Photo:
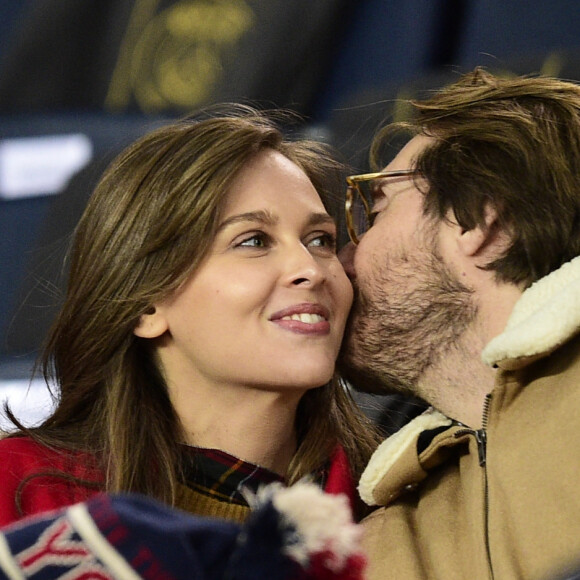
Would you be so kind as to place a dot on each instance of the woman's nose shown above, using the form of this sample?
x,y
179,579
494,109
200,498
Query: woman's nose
x,y
304,269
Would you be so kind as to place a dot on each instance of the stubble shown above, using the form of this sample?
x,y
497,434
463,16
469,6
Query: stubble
x,y
404,320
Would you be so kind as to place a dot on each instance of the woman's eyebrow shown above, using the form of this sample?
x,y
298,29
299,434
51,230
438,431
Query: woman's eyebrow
x,y
320,219
264,217
260,217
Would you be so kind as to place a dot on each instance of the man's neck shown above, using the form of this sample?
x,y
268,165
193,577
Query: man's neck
x,y
458,385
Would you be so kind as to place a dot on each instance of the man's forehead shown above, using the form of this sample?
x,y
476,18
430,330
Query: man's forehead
x,y
406,157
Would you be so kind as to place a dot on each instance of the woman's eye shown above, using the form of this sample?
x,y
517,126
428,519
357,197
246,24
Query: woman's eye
x,y
325,240
258,240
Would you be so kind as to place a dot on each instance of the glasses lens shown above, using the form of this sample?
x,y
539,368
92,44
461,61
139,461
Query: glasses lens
x,y
362,204
359,216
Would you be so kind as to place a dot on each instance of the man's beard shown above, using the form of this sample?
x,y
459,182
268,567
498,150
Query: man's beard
x,y
416,314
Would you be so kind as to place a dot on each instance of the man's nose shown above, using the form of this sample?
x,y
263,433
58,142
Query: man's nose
x,y
346,257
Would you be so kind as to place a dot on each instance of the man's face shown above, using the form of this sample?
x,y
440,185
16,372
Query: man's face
x,y
409,308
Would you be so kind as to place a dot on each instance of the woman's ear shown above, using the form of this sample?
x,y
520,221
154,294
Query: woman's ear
x,y
152,324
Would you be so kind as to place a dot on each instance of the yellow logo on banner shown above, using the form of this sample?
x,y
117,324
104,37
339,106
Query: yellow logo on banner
x,y
174,59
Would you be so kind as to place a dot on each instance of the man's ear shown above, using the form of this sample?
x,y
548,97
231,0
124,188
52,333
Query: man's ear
x,y
483,240
152,324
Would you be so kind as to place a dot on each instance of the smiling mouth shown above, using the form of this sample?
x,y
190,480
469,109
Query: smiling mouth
x,y
312,321
305,317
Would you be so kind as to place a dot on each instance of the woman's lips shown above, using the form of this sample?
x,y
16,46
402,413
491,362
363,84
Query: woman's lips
x,y
305,318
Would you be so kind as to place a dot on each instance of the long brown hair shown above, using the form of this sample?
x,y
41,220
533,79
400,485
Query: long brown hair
x,y
514,143
146,228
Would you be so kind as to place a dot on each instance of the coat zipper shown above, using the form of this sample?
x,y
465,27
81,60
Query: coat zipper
x,y
481,439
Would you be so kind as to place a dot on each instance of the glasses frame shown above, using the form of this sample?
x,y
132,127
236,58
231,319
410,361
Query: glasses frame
x,y
353,188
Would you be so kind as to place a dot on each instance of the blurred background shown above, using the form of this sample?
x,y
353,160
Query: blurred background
x,y
79,80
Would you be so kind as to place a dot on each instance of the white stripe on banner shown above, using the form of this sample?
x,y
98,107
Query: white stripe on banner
x,y
83,523
7,561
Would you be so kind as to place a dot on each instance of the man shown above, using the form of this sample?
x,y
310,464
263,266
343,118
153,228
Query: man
x,y
469,298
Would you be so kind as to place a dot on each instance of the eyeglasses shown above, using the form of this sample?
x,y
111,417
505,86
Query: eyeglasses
x,y
359,200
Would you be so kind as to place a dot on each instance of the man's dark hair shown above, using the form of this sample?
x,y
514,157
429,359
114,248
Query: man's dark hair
x,y
514,144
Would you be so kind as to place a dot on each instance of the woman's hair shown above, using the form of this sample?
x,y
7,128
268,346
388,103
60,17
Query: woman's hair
x,y
512,143
145,230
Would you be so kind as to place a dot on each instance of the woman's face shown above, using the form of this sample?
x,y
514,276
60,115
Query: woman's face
x,y
267,307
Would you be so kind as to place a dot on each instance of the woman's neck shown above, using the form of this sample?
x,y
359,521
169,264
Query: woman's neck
x,y
257,426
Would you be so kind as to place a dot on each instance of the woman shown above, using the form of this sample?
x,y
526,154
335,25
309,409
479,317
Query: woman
x,y
196,345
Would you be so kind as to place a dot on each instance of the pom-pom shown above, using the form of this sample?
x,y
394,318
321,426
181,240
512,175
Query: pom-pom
x,y
318,531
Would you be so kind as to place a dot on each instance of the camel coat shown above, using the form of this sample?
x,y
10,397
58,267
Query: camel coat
x,y
501,502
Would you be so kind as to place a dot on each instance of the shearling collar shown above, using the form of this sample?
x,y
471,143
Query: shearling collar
x,y
545,317
399,450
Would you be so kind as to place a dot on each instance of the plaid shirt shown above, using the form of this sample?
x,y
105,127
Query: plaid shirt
x,y
222,476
